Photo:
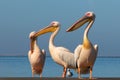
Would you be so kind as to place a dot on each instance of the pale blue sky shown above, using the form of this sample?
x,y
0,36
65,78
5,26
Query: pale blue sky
x,y
19,17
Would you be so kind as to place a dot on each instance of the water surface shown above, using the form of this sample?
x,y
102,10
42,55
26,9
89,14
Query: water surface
x,y
20,67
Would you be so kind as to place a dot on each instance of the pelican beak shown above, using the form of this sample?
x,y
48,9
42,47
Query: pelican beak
x,y
47,29
79,23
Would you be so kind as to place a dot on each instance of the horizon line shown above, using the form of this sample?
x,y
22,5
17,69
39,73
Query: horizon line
x,y
50,56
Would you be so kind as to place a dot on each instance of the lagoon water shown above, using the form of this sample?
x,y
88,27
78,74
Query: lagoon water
x,y
20,67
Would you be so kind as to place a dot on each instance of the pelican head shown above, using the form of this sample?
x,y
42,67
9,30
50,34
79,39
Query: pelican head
x,y
50,28
88,17
31,35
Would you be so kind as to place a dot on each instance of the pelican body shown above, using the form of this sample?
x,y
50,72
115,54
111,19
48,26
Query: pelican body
x,y
60,55
87,52
36,56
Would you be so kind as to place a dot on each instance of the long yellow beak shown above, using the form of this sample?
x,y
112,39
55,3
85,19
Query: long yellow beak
x,y
79,23
45,30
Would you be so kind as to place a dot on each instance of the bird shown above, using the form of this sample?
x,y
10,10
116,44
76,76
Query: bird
x,y
36,56
69,73
60,55
86,52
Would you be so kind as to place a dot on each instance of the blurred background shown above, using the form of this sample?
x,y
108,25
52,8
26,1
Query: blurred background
x,y
19,17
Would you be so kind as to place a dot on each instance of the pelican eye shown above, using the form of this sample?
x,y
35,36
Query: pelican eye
x,y
53,23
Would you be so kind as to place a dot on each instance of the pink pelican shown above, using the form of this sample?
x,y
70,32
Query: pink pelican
x,y
36,56
87,51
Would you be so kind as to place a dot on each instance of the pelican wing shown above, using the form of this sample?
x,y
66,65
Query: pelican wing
x,y
77,52
44,52
67,56
29,55
64,49
96,48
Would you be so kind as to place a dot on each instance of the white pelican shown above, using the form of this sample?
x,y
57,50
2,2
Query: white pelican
x,y
60,55
87,52
36,56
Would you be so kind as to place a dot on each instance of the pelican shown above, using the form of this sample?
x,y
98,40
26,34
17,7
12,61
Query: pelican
x,y
60,55
87,51
36,56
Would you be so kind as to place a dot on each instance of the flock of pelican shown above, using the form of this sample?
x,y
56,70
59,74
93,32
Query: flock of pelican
x,y
83,58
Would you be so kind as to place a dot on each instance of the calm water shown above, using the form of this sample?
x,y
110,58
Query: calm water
x,y
20,67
